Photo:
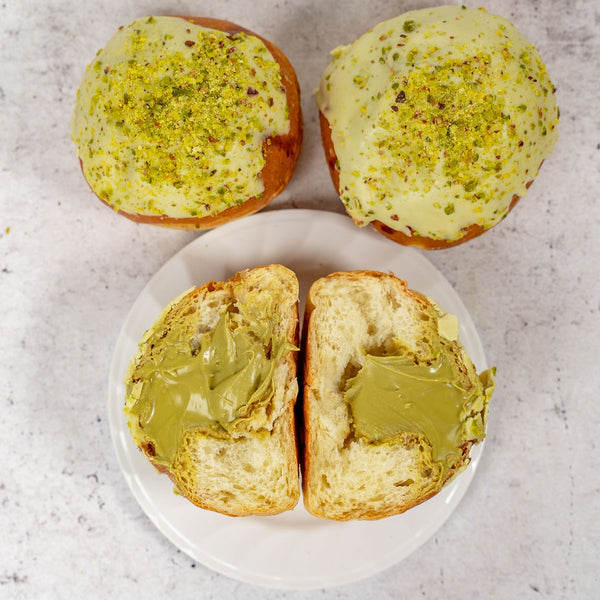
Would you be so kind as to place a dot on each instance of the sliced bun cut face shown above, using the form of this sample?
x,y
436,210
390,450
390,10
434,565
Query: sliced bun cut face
x,y
435,123
187,122
392,403
210,393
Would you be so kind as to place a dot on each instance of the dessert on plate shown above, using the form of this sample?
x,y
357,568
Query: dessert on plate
x,y
392,403
210,393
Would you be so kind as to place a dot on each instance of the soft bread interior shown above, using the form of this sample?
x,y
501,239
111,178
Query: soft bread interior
x,y
250,474
253,468
348,315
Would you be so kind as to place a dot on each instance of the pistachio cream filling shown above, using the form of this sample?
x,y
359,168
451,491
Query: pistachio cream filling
x,y
439,117
171,118
394,395
216,386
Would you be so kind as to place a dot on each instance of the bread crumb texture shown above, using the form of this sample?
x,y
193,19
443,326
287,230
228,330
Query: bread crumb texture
x,y
210,393
347,476
171,118
439,118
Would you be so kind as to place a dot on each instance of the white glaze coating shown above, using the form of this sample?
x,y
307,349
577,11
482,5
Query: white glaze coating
x,y
171,118
439,117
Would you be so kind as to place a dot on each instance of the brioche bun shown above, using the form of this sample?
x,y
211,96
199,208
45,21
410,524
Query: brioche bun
x,y
377,445
212,133
210,393
435,123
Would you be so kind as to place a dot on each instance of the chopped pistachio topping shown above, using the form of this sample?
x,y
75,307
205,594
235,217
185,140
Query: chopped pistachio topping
x,y
444,122
454,114
171,118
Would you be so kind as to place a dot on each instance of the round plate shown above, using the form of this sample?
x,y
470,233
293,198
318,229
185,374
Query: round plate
x,y
293,550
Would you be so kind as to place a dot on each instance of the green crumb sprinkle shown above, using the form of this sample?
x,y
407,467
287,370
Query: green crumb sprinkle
x,y
448,131
410,57
106,194
183,113
419,131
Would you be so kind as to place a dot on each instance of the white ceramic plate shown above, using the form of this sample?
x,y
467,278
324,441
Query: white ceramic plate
x,y
293,550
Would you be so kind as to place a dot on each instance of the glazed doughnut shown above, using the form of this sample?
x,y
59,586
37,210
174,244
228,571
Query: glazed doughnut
x,y
187,122
435,123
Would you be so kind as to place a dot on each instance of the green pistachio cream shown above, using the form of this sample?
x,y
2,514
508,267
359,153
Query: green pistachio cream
x,y
216,386
391,395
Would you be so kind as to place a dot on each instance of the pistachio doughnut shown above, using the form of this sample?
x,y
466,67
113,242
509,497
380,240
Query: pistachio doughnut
x,y
435,123
187,122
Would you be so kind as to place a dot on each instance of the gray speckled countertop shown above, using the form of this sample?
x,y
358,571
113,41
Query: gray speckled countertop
x,y
70,270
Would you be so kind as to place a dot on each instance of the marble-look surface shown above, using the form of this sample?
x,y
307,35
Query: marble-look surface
x,y
70,270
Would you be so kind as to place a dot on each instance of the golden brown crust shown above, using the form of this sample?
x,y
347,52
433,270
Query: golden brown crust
x,y
281,152
423,242
375,515
303,418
